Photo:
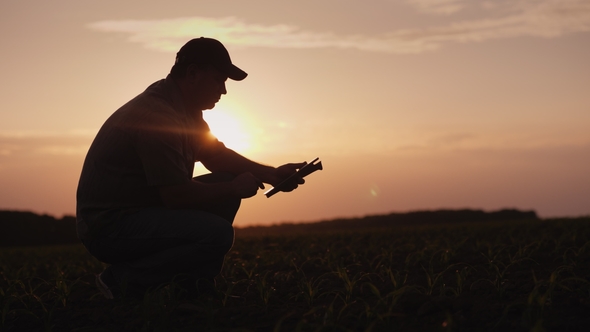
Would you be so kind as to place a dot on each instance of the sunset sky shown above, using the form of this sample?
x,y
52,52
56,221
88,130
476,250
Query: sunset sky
x,y
410,104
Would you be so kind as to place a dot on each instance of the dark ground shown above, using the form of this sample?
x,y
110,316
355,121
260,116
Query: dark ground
x,y
524,275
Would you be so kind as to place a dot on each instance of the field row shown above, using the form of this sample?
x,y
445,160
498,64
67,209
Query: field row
x,y
525,275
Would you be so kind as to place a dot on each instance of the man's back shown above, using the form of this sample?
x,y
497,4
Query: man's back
x,y
148,142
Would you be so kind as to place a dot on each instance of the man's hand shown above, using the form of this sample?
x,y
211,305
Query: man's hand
x,y
284,171
246,185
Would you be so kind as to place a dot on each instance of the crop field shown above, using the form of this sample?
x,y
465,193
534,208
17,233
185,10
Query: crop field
x,y
489,276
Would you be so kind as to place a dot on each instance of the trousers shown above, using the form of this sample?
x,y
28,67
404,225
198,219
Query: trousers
x,y
153,246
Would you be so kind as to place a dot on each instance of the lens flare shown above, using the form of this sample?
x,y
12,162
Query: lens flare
x,y
228,129
374,191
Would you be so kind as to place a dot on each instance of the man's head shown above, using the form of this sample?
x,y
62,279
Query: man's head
x,y
202,52
202,66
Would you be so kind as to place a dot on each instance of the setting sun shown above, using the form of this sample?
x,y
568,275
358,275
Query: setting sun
x,y
228,129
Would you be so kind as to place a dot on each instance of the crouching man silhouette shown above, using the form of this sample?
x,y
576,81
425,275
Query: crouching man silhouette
x,y
139,208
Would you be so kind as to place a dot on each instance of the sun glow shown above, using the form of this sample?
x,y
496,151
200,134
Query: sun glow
x,y
228,129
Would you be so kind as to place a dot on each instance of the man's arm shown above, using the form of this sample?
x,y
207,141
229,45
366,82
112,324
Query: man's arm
x,y
231,162
195,194
249,178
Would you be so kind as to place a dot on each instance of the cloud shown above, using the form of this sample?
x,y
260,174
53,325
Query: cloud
x,y
169,34
22,134
16,144
530,18
438,6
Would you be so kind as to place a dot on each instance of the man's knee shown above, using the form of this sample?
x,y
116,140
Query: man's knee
x,y
215,177
223,236
225,208
228,238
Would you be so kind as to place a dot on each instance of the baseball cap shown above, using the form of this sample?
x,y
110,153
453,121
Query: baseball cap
x,y
209,51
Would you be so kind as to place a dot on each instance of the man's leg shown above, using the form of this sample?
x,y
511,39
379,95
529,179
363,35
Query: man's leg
x,y
226,209
154,245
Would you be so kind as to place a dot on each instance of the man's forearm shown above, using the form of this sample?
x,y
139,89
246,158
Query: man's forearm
x,y
231,162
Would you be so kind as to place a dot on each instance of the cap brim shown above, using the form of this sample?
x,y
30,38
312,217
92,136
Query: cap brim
x,y
235,73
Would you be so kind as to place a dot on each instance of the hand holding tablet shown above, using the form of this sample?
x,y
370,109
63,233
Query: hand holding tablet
x,y
304,171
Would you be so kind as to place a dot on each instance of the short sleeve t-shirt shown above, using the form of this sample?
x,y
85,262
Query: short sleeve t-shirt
x,y
151,141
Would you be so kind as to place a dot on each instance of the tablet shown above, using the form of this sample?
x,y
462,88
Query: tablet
x,y
304,171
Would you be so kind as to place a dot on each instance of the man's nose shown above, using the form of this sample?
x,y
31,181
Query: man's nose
x,y
223,89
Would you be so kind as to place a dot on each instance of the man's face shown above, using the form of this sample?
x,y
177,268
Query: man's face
x,y
207,86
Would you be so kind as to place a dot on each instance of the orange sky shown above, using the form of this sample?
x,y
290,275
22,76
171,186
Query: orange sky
x,y
410,104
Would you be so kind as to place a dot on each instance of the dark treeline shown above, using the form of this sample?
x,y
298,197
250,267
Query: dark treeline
x,y
416,218
27,228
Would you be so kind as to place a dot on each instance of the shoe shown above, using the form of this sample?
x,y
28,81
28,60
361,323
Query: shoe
x,y
114,290
103,287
